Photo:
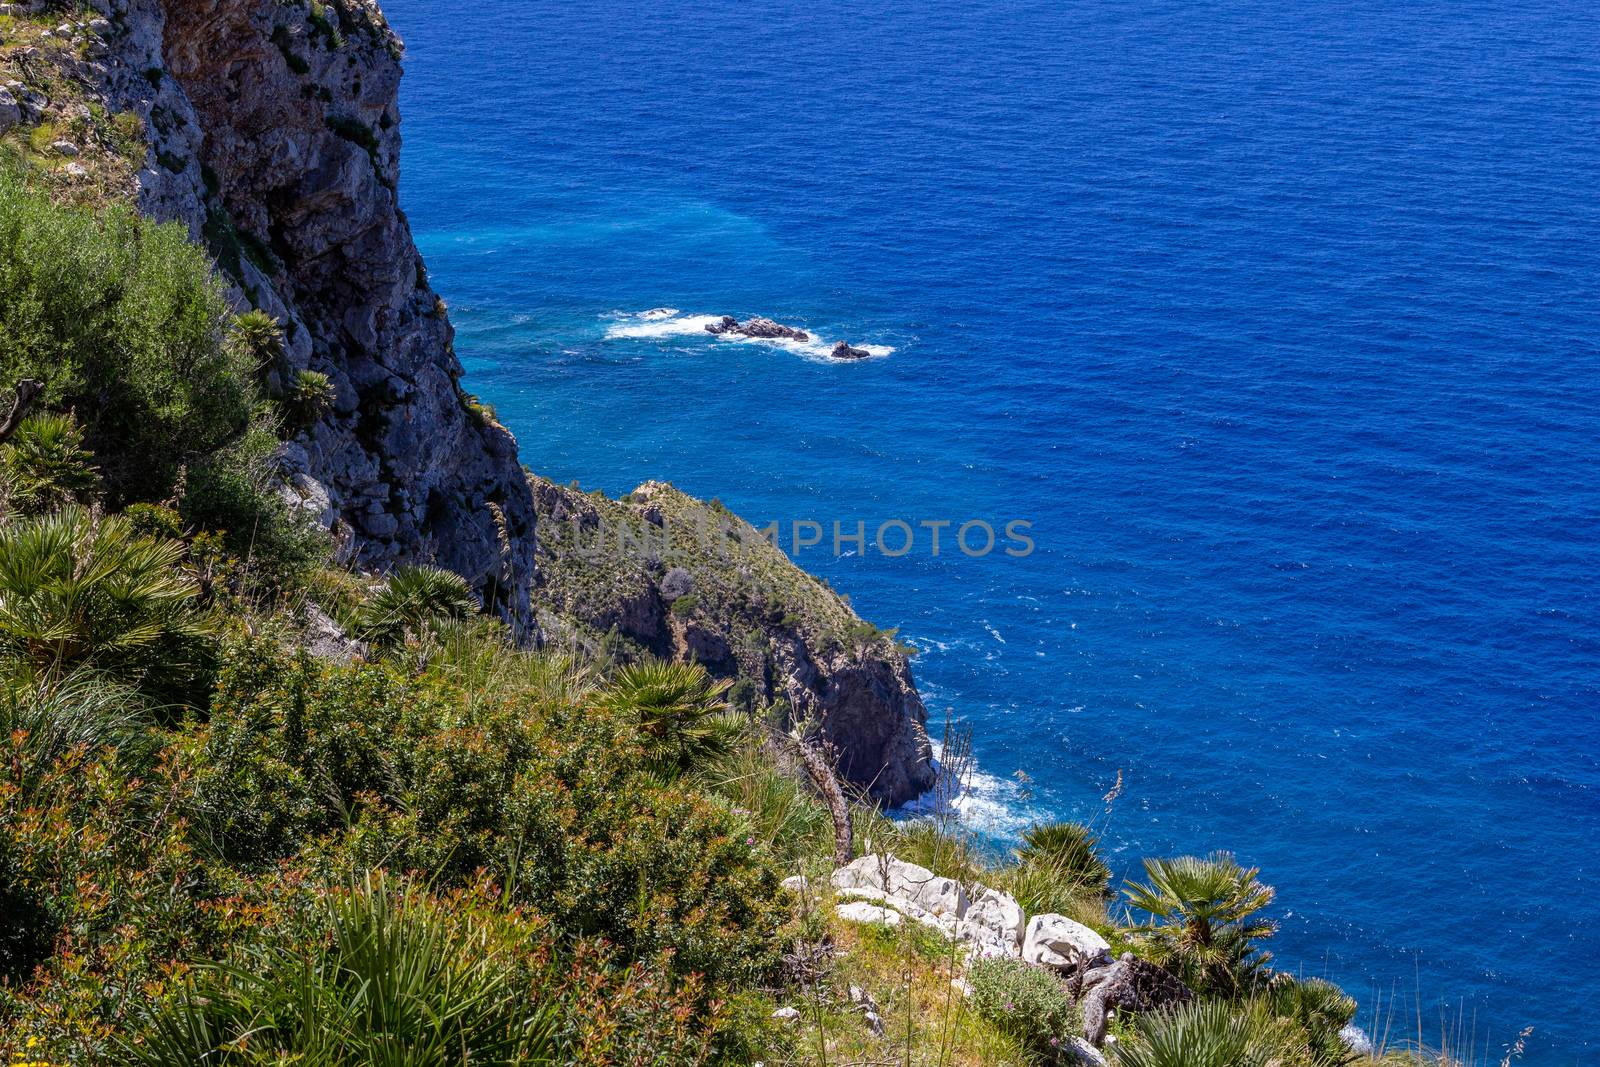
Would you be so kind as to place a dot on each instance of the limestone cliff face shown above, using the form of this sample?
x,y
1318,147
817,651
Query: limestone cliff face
x,y
274,134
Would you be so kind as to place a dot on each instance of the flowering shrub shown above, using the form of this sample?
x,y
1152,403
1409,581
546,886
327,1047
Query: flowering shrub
x,y
1027,1002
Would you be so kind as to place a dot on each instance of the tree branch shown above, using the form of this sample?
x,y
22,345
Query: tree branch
x,y
822,776
28,391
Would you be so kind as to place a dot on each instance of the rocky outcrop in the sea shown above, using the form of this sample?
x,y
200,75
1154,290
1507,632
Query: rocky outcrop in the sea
x,y
659,572
273,133
764,329
842,350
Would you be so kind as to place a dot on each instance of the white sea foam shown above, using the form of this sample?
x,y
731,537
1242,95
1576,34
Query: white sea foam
x,y
669,326
992,806
659,323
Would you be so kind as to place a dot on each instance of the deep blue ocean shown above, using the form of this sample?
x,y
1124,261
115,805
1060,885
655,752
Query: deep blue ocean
x,y
1279,322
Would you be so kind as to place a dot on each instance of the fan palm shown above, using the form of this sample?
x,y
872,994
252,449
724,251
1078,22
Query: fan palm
x,y
1319,1009
259,337
78,589
682,713
397,983
1202,1034
1203,925
416,600
1068,852
45,465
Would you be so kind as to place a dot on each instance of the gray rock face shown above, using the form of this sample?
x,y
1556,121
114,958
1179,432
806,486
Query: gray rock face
x,y
296,130
1131,985
765,329
10,110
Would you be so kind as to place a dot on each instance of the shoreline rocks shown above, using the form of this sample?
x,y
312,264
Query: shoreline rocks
x,y
842,350
880,889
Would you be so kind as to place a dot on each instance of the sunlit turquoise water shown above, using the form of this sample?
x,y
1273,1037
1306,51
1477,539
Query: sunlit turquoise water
x,y
1278,322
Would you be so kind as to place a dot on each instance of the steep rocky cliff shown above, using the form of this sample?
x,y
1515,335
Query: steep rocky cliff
x,y
271,129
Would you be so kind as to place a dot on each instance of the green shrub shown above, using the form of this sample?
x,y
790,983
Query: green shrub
x,y
78,590
367,766
1203,922
394,982
154,520
415,600
50,718
235,491
45,466
94,851
1027,1003
123,321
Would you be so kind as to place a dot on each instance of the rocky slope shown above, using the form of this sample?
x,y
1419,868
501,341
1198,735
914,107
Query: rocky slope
x,y
664,573
271,129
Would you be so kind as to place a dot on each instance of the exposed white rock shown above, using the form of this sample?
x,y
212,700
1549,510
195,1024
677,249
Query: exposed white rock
x,y
939,896
1059,942
1000,913
796,884
787,1015
908,908
983,943
64,148
1087,1053
862,912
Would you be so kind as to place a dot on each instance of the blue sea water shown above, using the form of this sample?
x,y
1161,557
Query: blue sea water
x,y
1279,322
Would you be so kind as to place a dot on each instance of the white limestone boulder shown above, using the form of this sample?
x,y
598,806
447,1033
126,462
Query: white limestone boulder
x,y
1000,913
1058,942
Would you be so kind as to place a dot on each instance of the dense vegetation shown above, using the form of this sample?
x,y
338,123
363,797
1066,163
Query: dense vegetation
x,y
436,847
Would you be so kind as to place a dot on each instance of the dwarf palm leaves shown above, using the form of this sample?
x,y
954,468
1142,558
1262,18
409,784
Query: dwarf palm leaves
x,y
1203,1034
48,719
1319,1009
1068,852
397,983
681,712
77,589
45,465
416,600
1203,923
